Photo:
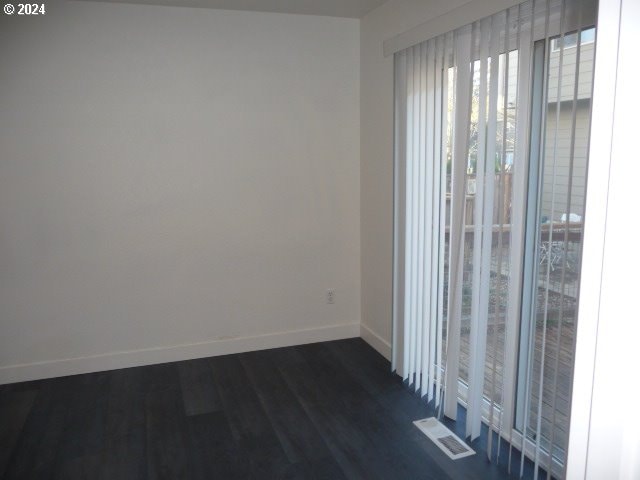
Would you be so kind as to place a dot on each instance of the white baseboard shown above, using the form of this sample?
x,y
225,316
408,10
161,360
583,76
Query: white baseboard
x,y
149,356
376,341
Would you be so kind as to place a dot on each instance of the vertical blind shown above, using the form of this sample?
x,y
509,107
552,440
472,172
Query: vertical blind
x,y
466,160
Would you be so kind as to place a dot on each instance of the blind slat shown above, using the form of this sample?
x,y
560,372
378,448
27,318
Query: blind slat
x,y
428,224
478,320
435,267
463,85
553,160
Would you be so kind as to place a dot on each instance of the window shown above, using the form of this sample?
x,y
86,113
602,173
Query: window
x,y
570,40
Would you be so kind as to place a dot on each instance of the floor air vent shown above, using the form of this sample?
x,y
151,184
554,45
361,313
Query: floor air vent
x,y
444,438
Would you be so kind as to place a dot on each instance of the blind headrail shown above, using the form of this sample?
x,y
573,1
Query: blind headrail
x,y
474,10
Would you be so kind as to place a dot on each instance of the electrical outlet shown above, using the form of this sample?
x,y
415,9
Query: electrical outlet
x,y
331,296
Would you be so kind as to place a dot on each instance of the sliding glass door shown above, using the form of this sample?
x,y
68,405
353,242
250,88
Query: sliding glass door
x,y
492,128
560,107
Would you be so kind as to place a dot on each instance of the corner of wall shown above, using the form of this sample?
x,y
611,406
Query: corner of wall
x,y
376,341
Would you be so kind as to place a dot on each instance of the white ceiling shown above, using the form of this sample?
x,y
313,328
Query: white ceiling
x,y
332,8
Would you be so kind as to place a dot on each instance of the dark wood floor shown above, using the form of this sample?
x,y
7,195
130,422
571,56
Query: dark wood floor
x,y
327,410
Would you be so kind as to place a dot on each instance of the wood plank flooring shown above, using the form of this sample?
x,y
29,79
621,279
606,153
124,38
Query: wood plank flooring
x,y
327,410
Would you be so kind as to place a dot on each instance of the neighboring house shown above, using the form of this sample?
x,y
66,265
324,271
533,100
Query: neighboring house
x,y
560,126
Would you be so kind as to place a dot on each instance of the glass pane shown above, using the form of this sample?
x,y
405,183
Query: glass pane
x,y
499,275
559,242
450,79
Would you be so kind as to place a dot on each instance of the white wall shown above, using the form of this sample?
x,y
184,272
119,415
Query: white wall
x,y
174,182
376,143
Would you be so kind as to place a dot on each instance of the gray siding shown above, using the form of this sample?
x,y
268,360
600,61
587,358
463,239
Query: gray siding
x,y
558,146
585,73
